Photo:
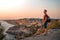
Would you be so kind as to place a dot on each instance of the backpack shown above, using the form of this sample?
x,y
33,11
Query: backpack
x,y
48,19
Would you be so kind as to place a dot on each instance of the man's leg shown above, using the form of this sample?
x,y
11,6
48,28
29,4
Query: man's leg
x,y
45,28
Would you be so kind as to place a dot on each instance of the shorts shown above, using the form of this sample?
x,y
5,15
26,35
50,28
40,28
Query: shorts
x,y
45,25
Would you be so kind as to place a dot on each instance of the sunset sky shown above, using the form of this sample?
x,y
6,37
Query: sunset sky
x,y
12,9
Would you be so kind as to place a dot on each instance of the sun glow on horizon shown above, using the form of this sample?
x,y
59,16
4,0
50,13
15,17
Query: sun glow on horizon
x,y
28,8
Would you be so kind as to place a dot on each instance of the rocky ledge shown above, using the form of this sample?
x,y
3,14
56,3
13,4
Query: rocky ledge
x,y
53,34
22,31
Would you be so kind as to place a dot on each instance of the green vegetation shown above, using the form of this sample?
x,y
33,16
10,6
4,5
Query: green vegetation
x,y
1,33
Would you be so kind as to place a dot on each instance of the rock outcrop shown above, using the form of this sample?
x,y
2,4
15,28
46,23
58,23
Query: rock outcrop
x,y
22,31
53,34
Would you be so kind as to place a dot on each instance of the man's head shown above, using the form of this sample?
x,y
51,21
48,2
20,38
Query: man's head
x,y
45,11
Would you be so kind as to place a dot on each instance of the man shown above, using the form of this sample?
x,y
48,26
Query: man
x,y
46,19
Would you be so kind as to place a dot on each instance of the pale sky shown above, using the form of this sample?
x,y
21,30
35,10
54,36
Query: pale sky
x,y
10,9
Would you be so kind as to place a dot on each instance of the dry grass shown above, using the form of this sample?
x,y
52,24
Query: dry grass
x,y
54,24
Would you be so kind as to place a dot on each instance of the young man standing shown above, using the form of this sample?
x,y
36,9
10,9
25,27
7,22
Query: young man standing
x,y
46,19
